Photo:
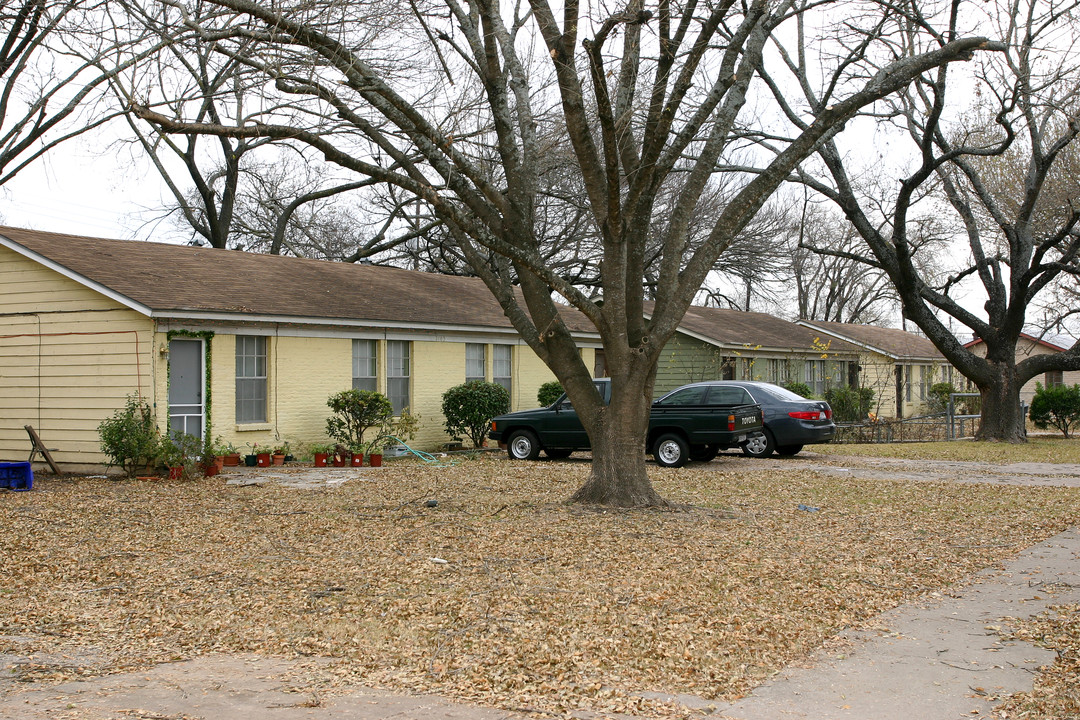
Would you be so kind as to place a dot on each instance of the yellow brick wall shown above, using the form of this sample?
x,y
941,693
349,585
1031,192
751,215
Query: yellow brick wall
x,y
304,371
69,357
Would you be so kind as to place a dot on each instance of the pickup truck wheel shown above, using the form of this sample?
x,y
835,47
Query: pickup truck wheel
x,y
704,453
557,453
671,451
759,446
523,445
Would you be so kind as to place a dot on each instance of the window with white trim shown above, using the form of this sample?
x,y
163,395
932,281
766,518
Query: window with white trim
x,y
365,365
475,361
502,365
397,374
250,379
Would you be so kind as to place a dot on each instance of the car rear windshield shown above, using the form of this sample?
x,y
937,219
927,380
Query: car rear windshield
x,y
780,393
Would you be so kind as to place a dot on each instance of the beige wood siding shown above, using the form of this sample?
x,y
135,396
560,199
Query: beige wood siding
x,y
68,359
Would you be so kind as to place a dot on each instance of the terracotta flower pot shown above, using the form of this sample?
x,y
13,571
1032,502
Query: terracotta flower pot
x,y
232,459
210,470
279,458
320,459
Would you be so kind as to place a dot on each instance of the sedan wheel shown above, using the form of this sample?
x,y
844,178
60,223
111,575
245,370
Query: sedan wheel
x,y
788,450
759,446
671,451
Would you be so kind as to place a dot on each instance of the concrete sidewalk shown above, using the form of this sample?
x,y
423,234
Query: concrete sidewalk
x,y
936,661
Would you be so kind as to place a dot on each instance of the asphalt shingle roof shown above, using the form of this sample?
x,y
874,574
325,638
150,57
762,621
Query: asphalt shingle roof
x,y
898,343
750,329
179,279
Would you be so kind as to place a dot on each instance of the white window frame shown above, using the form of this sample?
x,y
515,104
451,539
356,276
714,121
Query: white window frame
x,y
251,407
502,368
365,364
398,373
475,361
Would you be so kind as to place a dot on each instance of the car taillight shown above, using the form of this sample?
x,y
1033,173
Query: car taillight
x,y
493,425
730,422
828,414
810,414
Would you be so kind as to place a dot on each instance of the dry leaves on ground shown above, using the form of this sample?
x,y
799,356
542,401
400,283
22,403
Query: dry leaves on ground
x,y
500,594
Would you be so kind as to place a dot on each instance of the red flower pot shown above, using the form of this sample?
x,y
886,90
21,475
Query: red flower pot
x,y
262,459
357,459
320,459
175,473
375,460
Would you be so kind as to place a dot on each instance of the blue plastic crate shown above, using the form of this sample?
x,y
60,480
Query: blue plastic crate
x,y
16,476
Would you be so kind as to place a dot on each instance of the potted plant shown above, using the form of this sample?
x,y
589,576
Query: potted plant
x,y
357,455
181,452
261,454
172,458
230,455
356,412
321,453
278,456
391,432
209,459
252,458
342,455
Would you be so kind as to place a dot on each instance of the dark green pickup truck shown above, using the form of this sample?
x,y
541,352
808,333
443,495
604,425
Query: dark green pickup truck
x,y
690,423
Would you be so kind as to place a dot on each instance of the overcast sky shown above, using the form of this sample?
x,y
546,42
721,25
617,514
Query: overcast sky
x,y
87,186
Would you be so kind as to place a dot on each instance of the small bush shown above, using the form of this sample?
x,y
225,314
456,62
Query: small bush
x,y
799,389
469,408
939,397
850,404
182,450
1057,406
356,411
549,392
130,437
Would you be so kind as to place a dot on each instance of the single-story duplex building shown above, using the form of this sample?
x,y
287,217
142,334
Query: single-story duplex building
x,y
898,365
234,345
1027,346
724,344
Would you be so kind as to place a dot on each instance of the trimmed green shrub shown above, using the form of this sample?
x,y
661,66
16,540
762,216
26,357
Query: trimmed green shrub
x,y
799,389
356,411
1058,406
469,408
850,404
939,397
549,392
130,437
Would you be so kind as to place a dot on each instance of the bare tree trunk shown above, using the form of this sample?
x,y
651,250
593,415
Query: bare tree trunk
x,y
1002,413
617,433
618,476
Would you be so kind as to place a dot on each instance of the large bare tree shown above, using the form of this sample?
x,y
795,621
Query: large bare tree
x,y
457,106
1000,173
56,59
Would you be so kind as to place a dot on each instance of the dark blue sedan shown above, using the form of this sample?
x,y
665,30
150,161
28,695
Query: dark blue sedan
x,y
791,421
